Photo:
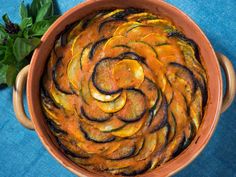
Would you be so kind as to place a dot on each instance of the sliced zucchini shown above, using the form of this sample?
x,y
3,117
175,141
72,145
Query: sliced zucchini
x,y
62,100
134,108
155,39
124,28
94,135
149,88
148,147
165,25
169,53
110,48
195,108
128,74
139,17
102,77
78,63
99,96
144,49
130,129
111,125
93,113
113,106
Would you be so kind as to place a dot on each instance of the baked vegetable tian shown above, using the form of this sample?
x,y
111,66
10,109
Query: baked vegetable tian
x,y
124,91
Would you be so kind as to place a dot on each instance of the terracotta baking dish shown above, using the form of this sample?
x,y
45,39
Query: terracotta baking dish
x,y
216,102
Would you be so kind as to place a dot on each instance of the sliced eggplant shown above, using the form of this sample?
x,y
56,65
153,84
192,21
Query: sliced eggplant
x,y
172,126
113,106
131,55
189,132
93,113
182,79
125,151
95,135
99,96
149,88
138,169
190,42
125,12
159,119
102,77
95,46
59,76
55,128
128,73
70,148
134,108
106,22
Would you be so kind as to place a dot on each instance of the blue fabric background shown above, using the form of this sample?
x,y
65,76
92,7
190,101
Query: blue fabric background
x,y
23,155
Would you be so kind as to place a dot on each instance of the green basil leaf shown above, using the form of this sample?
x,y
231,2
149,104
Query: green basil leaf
x,y
44,12
23,47
36,6
3,73
23,11
39,28
26,23
11,75
9,57
3,34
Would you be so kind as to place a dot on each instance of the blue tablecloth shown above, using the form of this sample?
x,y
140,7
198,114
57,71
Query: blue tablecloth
x,y
23,155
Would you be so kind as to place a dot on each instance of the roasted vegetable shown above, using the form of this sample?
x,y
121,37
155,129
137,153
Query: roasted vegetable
x,y
124,91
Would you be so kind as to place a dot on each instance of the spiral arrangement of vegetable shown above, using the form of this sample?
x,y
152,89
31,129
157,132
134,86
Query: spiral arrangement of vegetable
x,y
124,91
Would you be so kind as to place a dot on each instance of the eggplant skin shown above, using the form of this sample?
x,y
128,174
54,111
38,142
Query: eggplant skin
x,y
94,78
89,138
138,172
204,93
101,25
180,147
191,42
131,55
54,128
54,75
95,46
130,154
164,106
126,12
190,73
69,152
